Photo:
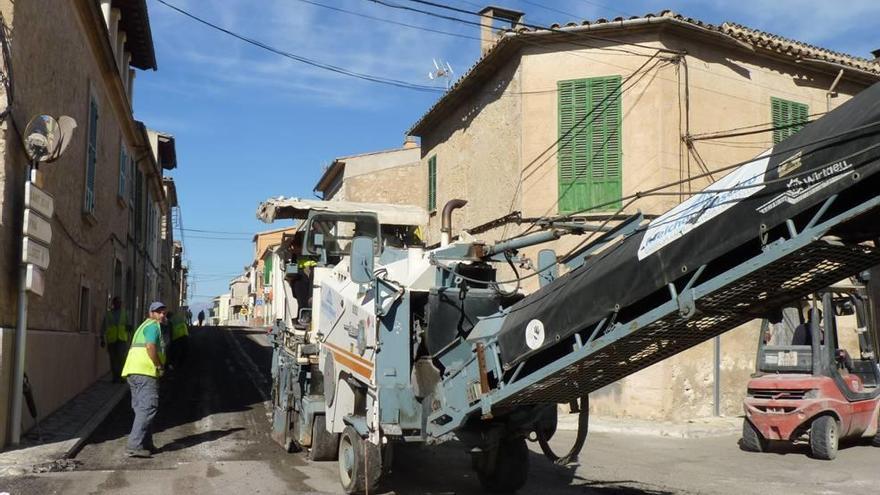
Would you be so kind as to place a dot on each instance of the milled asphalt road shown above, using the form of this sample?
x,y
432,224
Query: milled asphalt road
x,y
213,432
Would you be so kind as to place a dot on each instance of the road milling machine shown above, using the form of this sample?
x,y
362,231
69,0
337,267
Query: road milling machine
x,y
401,342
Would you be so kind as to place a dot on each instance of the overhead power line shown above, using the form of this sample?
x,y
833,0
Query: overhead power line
x,y
524,24
206,231
298,58
551,9
389,21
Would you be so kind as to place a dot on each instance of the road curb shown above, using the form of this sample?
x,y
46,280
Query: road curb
x,y
89,428
698,428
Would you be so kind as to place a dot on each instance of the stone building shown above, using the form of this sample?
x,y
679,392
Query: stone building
x,y
261,271
389,176
572,120
76,58
238,300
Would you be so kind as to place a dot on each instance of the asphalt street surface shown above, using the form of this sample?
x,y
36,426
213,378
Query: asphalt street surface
x,y
212,431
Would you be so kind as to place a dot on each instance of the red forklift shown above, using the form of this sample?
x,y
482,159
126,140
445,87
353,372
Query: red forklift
x,y
811,383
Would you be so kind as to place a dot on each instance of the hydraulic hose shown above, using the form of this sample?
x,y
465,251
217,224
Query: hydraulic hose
x,y
581,438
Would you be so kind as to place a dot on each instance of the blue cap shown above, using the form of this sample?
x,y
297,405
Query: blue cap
x,y
156,306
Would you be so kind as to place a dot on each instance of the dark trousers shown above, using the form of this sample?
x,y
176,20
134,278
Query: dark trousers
x,y
145,402
117,352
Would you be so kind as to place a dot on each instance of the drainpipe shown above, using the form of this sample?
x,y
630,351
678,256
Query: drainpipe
x,y
832,93
446,222
716,389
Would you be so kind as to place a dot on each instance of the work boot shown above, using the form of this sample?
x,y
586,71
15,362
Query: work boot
x,y
138,453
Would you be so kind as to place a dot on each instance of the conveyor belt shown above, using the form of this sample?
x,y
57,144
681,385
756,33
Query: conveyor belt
x,y
798,274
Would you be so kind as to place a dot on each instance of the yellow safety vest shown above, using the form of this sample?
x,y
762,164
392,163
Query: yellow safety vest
x,y
138,362
178,328
115,331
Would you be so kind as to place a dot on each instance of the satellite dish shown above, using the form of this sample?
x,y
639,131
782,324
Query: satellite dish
x,y
45,138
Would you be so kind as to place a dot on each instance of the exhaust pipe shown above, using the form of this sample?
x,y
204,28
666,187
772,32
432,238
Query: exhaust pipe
x,y
446,223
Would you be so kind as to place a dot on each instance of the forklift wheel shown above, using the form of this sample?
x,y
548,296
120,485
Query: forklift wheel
x,y
823,438
752,440
359,464
511,468
324,443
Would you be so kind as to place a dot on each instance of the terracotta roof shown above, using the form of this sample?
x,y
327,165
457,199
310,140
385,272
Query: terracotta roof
x,y
752,39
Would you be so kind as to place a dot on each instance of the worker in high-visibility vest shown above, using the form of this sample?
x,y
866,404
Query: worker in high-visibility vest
x,y
115,336
179,340
144,366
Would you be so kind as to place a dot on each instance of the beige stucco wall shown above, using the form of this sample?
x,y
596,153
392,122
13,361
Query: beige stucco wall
x,y
61,359
490,142
404,184
478,153
264,240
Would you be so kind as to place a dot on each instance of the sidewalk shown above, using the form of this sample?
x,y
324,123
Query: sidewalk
x,y
50,445
694,428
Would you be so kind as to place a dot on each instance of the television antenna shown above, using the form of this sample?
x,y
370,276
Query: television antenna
x,y
442,70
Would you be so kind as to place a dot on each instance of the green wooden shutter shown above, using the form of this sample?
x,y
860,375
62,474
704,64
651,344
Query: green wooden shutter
x,y
267,270
788,117
91,157
123,171
432,183
605,146
589,150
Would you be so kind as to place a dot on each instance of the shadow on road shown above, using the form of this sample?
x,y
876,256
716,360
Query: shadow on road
x,y
195,439
212,381
447,469
802,446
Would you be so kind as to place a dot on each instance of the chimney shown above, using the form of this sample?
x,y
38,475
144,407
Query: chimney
x,y
876,54
410,142
489,31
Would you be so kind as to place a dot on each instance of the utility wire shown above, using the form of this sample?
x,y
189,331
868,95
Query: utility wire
x,y
551,9
573,37
654,192
314,63
389,21
206,231
606,7
524,24
595,112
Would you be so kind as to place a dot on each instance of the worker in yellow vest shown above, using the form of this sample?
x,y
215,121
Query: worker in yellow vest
x,y
144,366
179,339
115,337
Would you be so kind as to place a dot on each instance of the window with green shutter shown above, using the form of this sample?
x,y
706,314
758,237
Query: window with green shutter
x,y
589,152
91,157
789,117
432,183
267,270
123,171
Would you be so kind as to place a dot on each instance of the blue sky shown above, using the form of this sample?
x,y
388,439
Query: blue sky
x,y
251,125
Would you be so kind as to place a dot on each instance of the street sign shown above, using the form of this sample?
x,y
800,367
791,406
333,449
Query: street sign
x,y
38,200
34,252
37,227
35,280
